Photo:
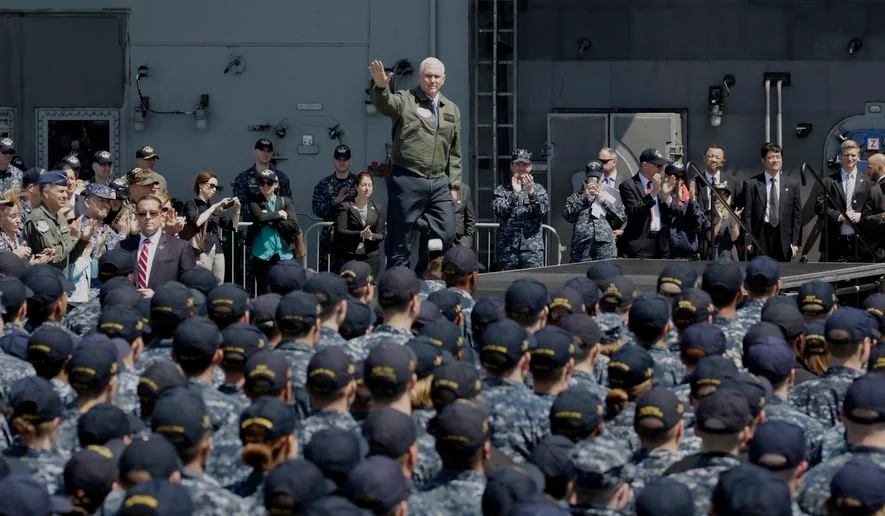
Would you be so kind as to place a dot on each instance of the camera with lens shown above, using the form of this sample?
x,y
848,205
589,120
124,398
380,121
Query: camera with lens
x,y
120,186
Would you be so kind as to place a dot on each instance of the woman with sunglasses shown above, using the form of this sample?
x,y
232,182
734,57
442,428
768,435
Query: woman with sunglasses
x,y
359,226
203,220
10,230
274,228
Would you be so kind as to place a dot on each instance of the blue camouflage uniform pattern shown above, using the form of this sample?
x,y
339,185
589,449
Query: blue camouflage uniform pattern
x,y
592,236
429,287
429,463
358,349
600,458
702,478
250,487
620,427
236,395
11,370
833,442
225,464
815,487
615,326
584,380
323,419
600,370
520,236
66,441
517,418
467,304
751,312
821,398
450,493
83,319
246,186
126,395
669,370
65,393
298,354
596,510
650,463
323,203
11,179
209,497
734,330
423,416
777,409
47,467
222,409
158,350
14,341
330,338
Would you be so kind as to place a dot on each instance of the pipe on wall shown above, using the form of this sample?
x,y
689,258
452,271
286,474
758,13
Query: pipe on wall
x,y
432,29
780,113
767,110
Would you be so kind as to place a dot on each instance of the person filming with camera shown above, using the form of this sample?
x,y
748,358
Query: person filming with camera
x,y
203,221
686,218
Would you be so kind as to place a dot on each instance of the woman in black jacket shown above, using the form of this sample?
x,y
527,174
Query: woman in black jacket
x,y
201,213
274,228
359,226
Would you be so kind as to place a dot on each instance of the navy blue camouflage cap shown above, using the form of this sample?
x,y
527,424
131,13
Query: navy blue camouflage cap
x,y
101,191
816,297
46,282
680,275
617,292
525,298
612,328
771,358
486,311
21,494
576,412
152,454
665,496
584,328
327,287
691,306
34,399
49,344
330,370
601,272
199,278
91,368
104,423
702,340
588,290
599,465
297,310
593,168
115,262
228,301
172,299
263,310
649,315
785,316
195,340
53,177
156,379
848,325
653,156
389,368
397,285
757,391
459,261
815,339
461,428
359,318
551,456
240,342
443,334
568,299
155,498
336,451
859,483
521,156
287,276
777,445
511,487
267,373
103,158
92,471
266,420
180,415
658,410
763,272
722,279
13,292
357,274
864,402
502,345
452,381
630,366
726,411
389,432
378,484
710,372
448,301
292,486
554,347
750,489
428,356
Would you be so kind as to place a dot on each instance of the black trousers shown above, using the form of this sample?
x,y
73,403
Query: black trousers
x,y
774,245
261,269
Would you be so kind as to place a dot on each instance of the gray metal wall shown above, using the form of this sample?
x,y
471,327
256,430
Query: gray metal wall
x,y
297,52
665,55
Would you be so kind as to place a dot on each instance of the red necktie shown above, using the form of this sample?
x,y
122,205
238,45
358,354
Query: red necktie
x,y
143,264
648,191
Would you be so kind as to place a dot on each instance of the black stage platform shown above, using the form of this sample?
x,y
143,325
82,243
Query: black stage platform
x,y
848,277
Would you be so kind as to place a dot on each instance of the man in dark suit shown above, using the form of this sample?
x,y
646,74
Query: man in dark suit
x,y
645,234
465,216
873,217
846,189
773,208
158,258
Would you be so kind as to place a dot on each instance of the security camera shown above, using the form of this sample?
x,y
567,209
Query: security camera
x,y
280,131
854,46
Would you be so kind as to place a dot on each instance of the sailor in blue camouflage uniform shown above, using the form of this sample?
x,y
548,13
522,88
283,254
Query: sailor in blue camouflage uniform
x,y
331,293
13,294
722,280
663,497
659,423
551,355
114,269
771,358
12,367
172,304
864,414
460,269
337,187
126,323
266,425
630,374
239,343
463,443
723,423
586,355
617,294
298,318
779,446
245,184
48,349
34,402
104,237
650,324
398,291
817,300
750,489
850,333
331,385
10,175
603,479
593,213
521,207
517,417
858,484
690,306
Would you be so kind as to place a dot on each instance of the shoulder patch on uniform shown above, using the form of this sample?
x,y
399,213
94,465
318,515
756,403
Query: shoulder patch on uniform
x,y
448,117
42,226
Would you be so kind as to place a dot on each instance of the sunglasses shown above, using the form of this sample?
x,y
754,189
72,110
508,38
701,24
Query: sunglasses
x,y
149,213
604,161
8,153
267,183
212,186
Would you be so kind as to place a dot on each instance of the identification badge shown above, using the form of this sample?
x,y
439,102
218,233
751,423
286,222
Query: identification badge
x,y
448,117
424,112
42,226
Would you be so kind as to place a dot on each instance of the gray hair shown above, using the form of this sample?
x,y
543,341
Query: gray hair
x,y
431,61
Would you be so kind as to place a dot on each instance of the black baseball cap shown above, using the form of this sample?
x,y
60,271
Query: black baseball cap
x,y
11,265
118,291
816,297
378,484
771,358
653,156
681,275
115,262
21,494
46,282
726,411
763,329
860,480
459,261
601,272
199,278
389,368
787,317
487,310
460,429
103,157
13,292
658,410
358,319
444,334
777,445
665,496
428,356
649,315
293,485
34,399
32,176
104,423
511,487
848,325
91,368
180,415
750,489
583,327
92,471
297,310
330,370
525,298
722,279
711,371
576,412
195,340
864,402
267,373
588,290
172,299
266,420
156,379
122,321
630,366
228,301
397,285
263,311
240,342
691,306
357,274
815,339
702,340
342,152
452,381
617,292
286,276
763,272
428,313
264,143
552,350
389,432
502,345
49,343
448,301
551,456
567,298
521,156
327,287
146,152
157,497
336,451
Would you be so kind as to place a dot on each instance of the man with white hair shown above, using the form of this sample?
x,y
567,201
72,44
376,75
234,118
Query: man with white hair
x,y
426,161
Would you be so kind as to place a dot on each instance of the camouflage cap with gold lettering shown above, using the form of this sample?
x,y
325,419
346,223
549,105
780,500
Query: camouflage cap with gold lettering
x,y
330,370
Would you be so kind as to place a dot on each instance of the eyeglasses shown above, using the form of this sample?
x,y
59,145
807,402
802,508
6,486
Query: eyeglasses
x,y
149,213
267,183
8,153
212,185
604,161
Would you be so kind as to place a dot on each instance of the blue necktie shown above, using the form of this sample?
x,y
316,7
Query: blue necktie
x,y
436,112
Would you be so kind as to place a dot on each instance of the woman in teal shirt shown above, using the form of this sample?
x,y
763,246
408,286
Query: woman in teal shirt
x,y
274,228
